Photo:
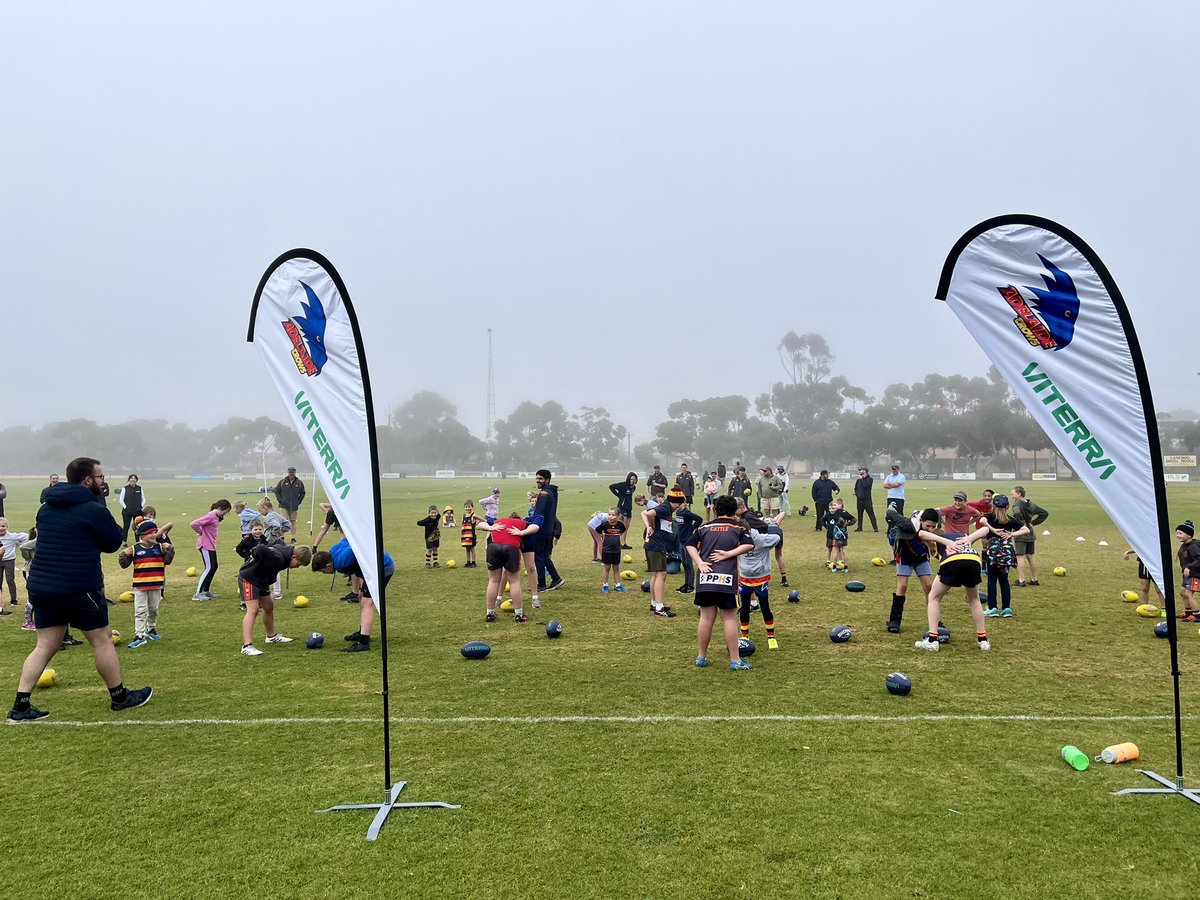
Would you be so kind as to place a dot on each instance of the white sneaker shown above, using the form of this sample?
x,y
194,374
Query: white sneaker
x,y
985,645
276,595
927,645
537,604
278,639
251,651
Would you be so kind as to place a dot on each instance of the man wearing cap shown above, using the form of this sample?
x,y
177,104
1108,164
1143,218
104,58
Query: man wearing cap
x,y
894,483
823,490
862,494
785,505
959,518
289,495
769,488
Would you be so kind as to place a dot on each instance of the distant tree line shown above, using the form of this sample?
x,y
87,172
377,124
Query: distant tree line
x,y
811,414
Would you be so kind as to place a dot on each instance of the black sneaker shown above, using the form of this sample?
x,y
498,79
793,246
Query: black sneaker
x,y
357,647
555,585
5,612
1035,583
893,626
666,612
783,581
134,699
354,638
349,596
686,589
29,714
521,617
626,547
70,641
490,617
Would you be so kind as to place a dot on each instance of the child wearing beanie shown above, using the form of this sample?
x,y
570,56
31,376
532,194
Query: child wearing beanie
x,y
1189,562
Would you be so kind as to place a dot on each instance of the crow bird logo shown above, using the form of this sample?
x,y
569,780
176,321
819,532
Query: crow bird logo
x,y
1058,304
312,324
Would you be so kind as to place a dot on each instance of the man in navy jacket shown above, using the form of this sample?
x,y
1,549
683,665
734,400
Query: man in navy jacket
x,y
66,586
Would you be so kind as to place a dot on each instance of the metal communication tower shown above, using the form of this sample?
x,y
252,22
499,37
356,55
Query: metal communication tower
x,y
491,404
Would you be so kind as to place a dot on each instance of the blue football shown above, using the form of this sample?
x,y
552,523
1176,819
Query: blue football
x,y
646,586
554,628
841,634
793,596
855,587
745,647
475,649
943,634
983,598
315,641
898,683
1161,629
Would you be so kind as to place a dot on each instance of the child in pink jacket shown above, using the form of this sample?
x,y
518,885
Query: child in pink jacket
x,y
206,527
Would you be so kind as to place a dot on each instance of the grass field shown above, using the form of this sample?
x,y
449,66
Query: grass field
x,y
605,764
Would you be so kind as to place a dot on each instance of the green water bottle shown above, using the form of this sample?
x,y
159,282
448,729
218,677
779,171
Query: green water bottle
x,y
1075,757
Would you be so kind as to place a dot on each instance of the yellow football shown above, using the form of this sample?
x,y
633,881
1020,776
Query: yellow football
x,y
1147,611
1060,571
747,492
507,606
628,558
46,679
191,572
507,586
126,597
629,574
878,561
116,636
451,564
300,602
1129,596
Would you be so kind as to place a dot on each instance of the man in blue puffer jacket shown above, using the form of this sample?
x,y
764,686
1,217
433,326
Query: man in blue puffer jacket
x,y
66,586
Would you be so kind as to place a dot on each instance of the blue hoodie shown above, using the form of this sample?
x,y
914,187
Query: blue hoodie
x,y
546,506
73,530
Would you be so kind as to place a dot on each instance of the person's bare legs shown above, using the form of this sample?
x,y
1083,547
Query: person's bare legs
x,y
49,642
268,610
708,615
729,623
248,622
107,664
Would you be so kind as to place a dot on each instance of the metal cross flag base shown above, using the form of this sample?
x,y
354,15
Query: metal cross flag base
x,y
387,806
1169,787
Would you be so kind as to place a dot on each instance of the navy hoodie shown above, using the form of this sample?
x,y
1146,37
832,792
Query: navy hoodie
x,y
546,506
73,530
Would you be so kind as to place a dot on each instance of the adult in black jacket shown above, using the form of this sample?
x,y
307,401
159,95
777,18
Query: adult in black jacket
x,y
862,493
739,484
823,490
656,482
623,491
132,501
66,586
687,483
289,495
546,506
46,489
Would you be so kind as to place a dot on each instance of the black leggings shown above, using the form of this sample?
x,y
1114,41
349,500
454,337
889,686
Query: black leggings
x,y
210,569
127,517
764,607
996,576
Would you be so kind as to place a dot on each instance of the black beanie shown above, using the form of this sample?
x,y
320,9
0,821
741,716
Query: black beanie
x,y
1187,528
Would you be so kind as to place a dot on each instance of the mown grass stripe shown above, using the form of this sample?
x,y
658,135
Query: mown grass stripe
x,y
812,718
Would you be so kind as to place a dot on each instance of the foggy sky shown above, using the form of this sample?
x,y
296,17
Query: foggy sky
x,y
639,198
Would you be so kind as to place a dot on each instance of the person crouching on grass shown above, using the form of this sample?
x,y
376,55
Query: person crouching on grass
x,y
340,558
149,559
257,575
254,536
714,548
504,560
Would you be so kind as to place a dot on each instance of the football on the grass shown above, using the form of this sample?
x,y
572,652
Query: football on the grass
x,y
898,683
840,634
1147,611
878,561
943,634
645,587
1161,629
554,628
855,587
745,647
793,596
475,649
315,641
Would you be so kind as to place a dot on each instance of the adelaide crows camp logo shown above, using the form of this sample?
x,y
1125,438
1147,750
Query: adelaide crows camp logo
x,y
307,334
1046,317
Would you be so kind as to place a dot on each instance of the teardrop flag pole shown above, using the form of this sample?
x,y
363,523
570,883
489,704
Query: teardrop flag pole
x,y
1044,308
305,330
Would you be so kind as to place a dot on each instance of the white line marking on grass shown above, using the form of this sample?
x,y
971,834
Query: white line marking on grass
x,y
813,718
